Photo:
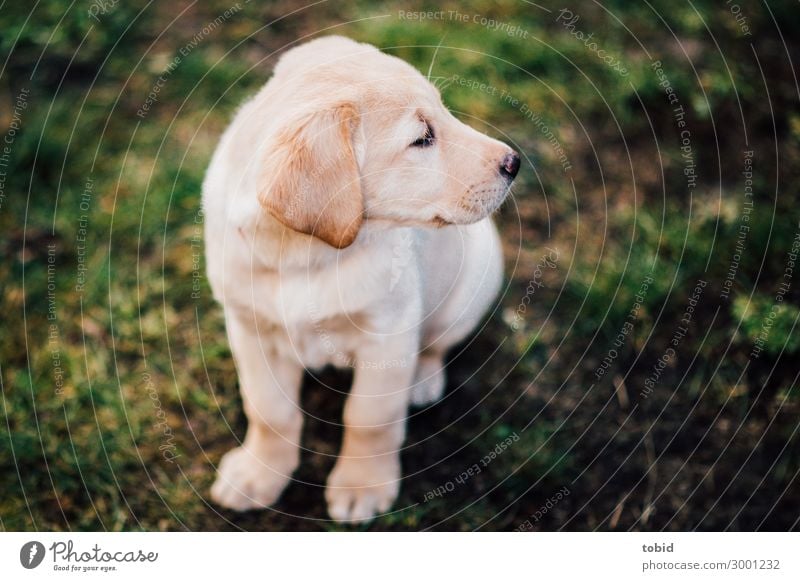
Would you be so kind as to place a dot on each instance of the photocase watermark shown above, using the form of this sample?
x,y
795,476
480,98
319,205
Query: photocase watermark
x,y
679,114
687,154
547,261
677,336
664,82
339,358
528,113
20,104
53,330
553,500
473,470
625,330
183,52
196,244
84,205
493,25
95,559
66,558
31,554
544,129
783,288
167,447
739,16
744,228
568,20
101,8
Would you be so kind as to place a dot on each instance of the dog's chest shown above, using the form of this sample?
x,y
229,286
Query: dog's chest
x,y
316,341
315,321
322,315
334,340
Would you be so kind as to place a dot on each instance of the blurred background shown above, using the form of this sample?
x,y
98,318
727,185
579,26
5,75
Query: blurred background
x,y
639,373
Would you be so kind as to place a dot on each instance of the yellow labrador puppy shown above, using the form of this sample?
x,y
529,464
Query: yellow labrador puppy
x,y
347,223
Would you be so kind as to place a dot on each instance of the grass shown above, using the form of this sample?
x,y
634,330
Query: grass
x,y
120,396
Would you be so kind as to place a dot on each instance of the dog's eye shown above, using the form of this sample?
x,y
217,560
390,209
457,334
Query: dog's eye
x,y
426,140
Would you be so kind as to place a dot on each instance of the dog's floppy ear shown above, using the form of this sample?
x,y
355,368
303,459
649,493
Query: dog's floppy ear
x,y
310,180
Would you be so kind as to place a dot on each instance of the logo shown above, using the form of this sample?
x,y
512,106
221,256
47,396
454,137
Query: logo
x,y
31,554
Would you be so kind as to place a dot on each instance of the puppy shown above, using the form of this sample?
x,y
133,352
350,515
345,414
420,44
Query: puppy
x,y
346,223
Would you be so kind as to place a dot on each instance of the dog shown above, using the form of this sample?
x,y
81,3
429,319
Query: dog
x,y
347,222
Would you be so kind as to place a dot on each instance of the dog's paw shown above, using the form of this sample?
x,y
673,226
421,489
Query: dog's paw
x,y
244,482
429,381
359,489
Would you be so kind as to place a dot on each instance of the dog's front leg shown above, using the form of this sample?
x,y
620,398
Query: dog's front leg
x,y
254,474
366,478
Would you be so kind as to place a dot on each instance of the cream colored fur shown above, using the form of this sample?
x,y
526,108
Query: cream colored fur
x,y
330,239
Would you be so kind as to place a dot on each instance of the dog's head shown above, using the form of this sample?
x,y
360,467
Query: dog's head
x,y
364,136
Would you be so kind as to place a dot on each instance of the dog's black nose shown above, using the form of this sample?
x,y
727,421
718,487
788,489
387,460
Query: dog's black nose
x,y
510,165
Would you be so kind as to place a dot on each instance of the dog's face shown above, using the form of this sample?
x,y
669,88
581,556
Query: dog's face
x,y
423,166
375,142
